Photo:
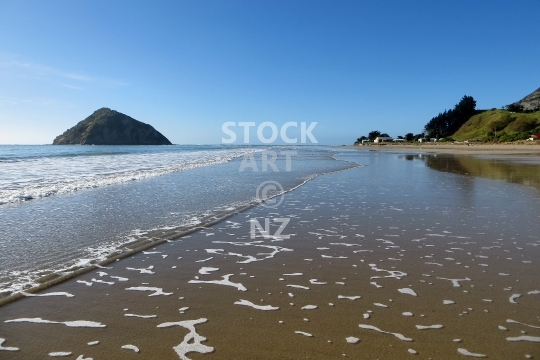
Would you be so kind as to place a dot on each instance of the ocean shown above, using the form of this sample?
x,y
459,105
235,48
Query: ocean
x,y
65,207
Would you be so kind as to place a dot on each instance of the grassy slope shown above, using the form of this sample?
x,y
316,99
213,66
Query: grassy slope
x,y
481,126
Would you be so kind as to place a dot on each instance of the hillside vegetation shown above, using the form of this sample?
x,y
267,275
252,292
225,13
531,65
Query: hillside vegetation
x,y
499,125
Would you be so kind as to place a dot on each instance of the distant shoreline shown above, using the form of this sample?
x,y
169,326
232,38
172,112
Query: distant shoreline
x,y
446,148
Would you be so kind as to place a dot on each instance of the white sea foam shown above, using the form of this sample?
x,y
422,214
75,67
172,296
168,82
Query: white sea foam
x,y
298,286
398,335
513,298
408,291
120,278
250,258
141,316
349,297
391,273
225,282
76,323
207,270
448,302
49,294
60,353
192,341
147,270
156,291
466,352
6,348
130,347
427,327
524,338
303,333
517,322
102,282
258,307
352,340
345,244
309,307
455,282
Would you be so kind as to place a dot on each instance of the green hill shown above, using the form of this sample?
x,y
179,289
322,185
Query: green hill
x,y
499,125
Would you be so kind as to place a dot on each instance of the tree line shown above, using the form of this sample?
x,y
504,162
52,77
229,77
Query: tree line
x,y
440,126
448,122
375,134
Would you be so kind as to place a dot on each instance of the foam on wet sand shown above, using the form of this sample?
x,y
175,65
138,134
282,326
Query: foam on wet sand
x,y
192,341
258,307
76,323
398,335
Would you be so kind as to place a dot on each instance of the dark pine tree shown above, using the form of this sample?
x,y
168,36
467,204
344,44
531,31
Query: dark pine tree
x,y
448,122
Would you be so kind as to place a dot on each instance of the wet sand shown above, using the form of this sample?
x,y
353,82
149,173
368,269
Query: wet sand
x,y
532,148
367,273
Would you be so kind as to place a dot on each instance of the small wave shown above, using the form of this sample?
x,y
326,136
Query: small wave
x,y
40,178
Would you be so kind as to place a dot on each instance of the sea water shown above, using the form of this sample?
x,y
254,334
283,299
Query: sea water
x,y
64,207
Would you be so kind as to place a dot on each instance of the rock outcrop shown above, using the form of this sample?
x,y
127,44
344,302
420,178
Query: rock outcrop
x,y
531,101
110,127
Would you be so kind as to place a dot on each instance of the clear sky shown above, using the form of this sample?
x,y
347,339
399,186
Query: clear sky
x,y
186,67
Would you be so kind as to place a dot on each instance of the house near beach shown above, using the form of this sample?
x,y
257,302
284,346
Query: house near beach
x,y
534,137
381,139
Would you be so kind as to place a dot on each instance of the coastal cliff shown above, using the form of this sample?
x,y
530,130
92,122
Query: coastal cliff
x,y
110,127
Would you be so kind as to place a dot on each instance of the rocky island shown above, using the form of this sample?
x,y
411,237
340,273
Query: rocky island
x,y
110,127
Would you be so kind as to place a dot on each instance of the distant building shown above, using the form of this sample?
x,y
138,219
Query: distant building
x,y
399,140
535,137
433,139
381,139
421,140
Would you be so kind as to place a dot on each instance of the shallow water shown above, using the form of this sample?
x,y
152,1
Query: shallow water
x,y
71,229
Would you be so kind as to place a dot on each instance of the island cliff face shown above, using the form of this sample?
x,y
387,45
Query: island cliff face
x,y
110,127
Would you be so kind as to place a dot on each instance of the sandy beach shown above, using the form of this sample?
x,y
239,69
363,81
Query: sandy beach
x,y
523,149
359,271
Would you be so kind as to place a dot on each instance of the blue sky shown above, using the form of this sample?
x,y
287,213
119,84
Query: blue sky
x,y
186,67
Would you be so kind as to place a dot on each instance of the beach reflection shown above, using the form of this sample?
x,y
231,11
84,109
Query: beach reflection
x,y
519,172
